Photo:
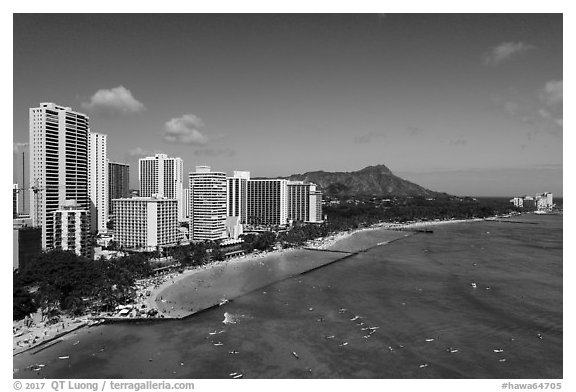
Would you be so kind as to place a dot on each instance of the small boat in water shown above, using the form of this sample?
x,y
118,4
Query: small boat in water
x,y
343,344
219,344
296,355
498,350
430,340
65,357
354,318
238,376
330,337
423,365
473,285
222,302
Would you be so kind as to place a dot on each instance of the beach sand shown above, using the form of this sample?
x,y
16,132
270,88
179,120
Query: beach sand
x,y
195,290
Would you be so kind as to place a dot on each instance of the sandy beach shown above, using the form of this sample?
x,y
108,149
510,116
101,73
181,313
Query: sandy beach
x,y
181,295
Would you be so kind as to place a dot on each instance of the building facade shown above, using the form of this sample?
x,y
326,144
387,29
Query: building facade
x,y
237,195
267,202
118,182
163,176
15,201
207,204
58,164
71,227
304,202
145,223
98,181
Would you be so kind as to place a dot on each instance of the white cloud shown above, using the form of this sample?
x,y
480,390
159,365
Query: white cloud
x,y
505,51
118,99
140,152
184,130
551,97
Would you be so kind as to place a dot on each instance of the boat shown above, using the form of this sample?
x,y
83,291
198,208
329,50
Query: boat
x,y
219,344
233,374
65,357
238,376
330,337
502,360
430,340
366,336
452,350
354,318
498,350
212,333
423,365
473,284
222,302
343,344
296,355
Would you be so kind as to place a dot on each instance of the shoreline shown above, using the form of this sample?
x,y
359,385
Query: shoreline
x,y
168,310
38,333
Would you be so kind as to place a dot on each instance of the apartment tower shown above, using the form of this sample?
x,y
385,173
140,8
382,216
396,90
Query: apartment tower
x,y
237,195
118,182
58,164
98,181
207,204
163,176
267,202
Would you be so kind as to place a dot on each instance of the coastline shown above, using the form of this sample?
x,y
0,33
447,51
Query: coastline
x,y
172,285
167,297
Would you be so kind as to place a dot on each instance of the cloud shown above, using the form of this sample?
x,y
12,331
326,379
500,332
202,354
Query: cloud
x,y
368,138
551,96
215,152
184,130
459,142
139,152
414,130
505,51
116,100
18,147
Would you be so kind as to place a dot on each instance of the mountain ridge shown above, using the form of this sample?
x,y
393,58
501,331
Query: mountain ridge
x,y
375,180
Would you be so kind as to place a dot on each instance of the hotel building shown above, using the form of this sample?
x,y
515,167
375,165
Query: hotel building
x,y
267,202
207,204
58,164
163,176
145,223
98,181
237,195
118,182
71,228
304,202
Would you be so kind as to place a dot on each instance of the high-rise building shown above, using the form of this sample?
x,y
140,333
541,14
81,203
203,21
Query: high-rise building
x,y
237,195
186,203
71,227
145,223
207,204
163,176
98,181
304,202
58,164
15,201
118,182
268,202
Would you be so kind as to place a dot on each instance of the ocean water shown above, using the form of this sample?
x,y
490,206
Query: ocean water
x,y
416,294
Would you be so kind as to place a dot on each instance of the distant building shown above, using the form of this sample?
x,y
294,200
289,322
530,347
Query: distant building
x,y
544,201
58,164
15,201
163,176
145,223
207,204
26,243
234,228
304,202
268,202
98,181
518,202
237,195
529,202
71,226
118,182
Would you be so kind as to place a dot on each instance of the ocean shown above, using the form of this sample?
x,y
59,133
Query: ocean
x,y
405,310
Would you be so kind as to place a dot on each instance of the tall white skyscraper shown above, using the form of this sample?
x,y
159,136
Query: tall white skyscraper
x,y
163,176
98,181
207,204
237,195
304,202
58,164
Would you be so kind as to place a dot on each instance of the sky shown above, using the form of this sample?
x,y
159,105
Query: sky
x,y
469,104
